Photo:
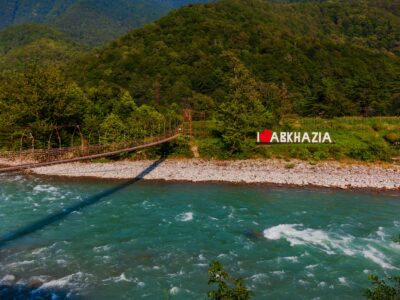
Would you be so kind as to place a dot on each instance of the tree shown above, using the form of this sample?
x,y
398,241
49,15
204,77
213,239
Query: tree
x,y
228,288
112,129
242,113
383,290
146,121
39,100
42,94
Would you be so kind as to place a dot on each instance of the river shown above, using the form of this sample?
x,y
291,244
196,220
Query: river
x,y
155,240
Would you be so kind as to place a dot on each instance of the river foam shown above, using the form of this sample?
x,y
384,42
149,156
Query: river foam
x,y
297,234
185,217
151,237
72,280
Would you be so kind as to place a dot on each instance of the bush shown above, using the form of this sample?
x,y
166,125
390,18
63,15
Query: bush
x,y
393,138
319,155
228,288
180,147
211,148
371,152
382,290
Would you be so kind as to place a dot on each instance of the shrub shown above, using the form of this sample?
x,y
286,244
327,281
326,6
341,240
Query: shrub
x,y
393,138
228,288
319,155
383,290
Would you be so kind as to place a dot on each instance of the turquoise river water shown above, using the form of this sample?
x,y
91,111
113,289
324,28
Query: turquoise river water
x,y
152,240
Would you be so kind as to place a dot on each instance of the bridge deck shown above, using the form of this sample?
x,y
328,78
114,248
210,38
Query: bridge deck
x,y
89,157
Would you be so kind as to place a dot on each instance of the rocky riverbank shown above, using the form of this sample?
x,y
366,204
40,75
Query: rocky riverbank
x,y
298,173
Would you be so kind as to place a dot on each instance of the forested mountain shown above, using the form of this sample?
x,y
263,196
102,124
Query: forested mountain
x,y
328,59
248,64
25,44
91,22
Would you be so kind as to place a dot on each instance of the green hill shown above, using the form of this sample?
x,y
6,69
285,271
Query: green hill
x,y
90,22
328,59
34,44
248,64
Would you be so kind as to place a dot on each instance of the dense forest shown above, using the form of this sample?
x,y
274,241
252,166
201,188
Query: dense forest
x,y
328,59
90,22
27,44
247,64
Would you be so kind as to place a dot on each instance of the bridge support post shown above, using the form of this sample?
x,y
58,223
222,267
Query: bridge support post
x,y
187,117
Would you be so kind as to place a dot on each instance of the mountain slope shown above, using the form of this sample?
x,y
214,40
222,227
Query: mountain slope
x,y
328,59
91,22
34,43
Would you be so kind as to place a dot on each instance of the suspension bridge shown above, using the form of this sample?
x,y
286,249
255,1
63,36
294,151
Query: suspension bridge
x,y
47,157
34,157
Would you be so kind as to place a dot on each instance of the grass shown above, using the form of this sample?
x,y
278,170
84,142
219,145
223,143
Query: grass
x,y
354,138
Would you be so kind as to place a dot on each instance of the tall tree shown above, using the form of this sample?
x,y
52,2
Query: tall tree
x,y
242,113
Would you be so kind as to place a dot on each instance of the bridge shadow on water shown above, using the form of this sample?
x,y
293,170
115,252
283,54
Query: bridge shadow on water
x,y
56,217
25,292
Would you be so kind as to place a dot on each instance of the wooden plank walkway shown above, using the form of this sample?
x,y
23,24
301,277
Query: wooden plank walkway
x,y
89,157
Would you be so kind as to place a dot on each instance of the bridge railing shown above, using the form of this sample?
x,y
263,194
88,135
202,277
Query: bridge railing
x,y
54,154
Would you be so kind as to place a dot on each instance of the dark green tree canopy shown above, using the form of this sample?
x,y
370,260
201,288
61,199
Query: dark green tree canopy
x,y
333,58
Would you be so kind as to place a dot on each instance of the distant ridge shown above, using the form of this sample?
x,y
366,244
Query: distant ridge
x,y
331,58
90,22
23,44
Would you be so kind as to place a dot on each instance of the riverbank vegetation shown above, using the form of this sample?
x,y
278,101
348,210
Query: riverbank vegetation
x,y
354,138
89,22
245,64
228,287
383,289
388,288
32,44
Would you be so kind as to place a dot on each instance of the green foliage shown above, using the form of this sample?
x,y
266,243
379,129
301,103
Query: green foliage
x,y
393,138
242,112
228,288
90,22
248,64
180,148
40,95
23,45
396,239
307,58
383,290
41,105
37,100
112,129
24,34
355,138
